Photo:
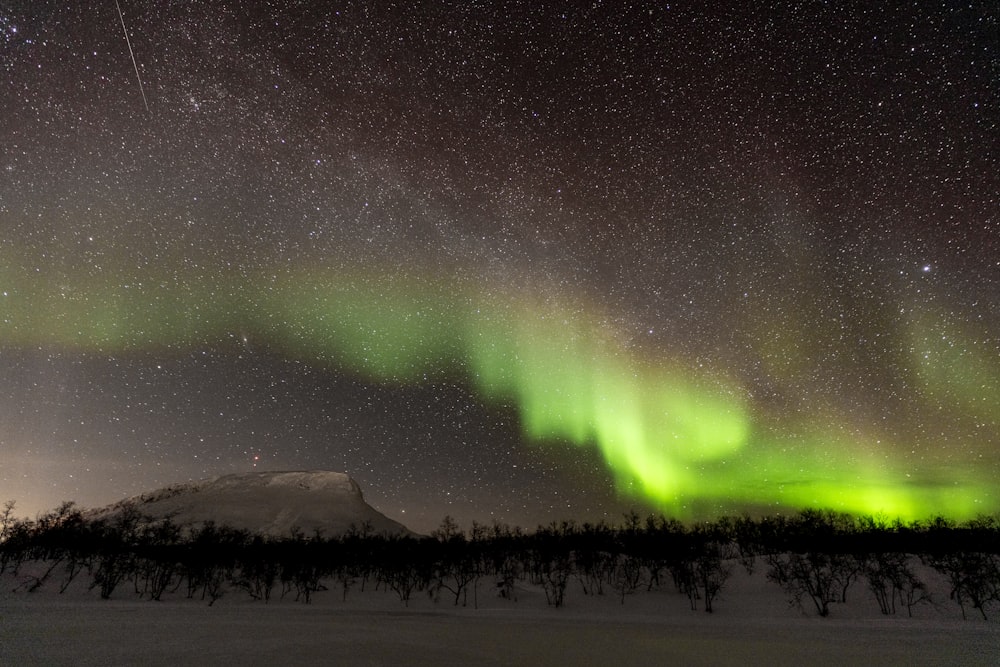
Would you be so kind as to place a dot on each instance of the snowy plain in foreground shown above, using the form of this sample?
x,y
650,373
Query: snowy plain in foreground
x,y
753,625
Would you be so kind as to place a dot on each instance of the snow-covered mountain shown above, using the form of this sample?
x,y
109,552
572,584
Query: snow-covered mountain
x,y
269,503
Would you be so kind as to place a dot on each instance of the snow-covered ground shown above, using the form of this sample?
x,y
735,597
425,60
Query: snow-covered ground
x,y
753,625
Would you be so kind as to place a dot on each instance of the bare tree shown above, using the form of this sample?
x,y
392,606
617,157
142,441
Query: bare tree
x,y
457,565
890,578
711,571
6,520
625,575
974,577
403,567
157,558
116,552
821,577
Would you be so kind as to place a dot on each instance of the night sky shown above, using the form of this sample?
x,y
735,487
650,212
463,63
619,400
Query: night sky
x,y
522,261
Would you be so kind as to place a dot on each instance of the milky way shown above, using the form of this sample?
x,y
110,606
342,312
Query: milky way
x,y
501,261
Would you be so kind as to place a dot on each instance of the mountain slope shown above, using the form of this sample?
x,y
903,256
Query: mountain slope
x,y
268,503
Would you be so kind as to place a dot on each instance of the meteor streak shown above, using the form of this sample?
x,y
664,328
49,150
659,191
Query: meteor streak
x,y
132,54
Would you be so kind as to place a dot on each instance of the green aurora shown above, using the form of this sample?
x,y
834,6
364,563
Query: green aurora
x,y
675,437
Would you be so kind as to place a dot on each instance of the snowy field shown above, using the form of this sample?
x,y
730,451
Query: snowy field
x,y
753,625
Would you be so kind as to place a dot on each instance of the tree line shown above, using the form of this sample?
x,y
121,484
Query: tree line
x,y
817,557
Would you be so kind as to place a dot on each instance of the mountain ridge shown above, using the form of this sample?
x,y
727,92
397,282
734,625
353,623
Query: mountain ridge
x,y
269,503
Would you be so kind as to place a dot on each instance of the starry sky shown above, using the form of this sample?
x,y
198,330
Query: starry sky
x,y
504,260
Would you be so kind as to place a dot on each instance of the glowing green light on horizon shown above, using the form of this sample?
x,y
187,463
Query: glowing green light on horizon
x,y
671,436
